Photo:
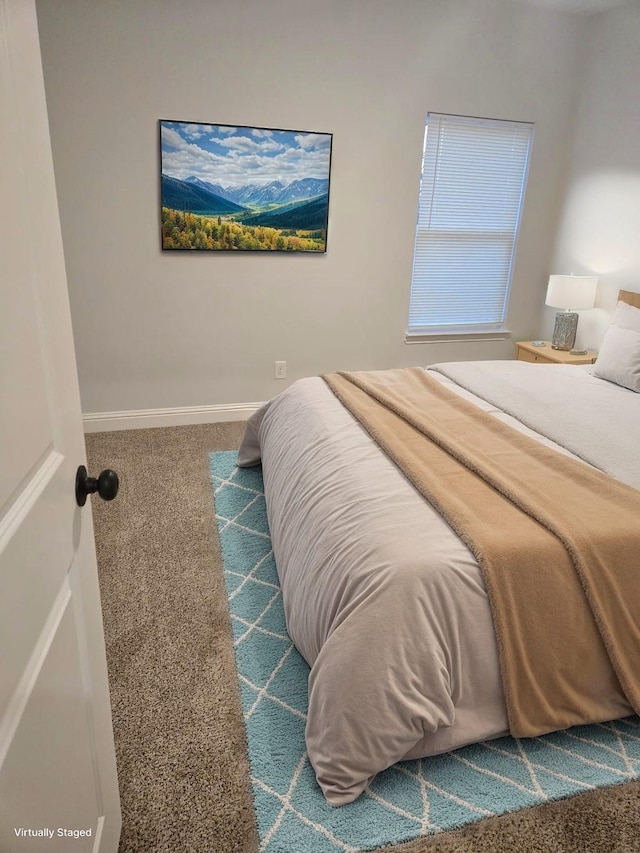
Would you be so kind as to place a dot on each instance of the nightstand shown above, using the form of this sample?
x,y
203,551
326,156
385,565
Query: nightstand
x,y
525,351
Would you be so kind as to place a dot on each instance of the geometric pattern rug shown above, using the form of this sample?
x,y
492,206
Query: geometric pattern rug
x,y
410,799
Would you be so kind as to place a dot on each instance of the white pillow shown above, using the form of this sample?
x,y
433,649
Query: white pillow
x,y
619,357
627,316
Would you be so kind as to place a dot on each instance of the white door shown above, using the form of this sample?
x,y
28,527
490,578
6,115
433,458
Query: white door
x,y
58,785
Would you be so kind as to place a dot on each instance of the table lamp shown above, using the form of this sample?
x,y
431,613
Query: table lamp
x,y
573,293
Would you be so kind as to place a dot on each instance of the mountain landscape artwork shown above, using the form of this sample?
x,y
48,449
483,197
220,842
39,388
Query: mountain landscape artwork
x,y
233,188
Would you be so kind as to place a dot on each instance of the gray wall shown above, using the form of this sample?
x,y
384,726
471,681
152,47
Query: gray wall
x,y
159,330
599,231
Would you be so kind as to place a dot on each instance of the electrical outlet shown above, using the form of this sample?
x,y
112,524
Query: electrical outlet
x,y
280,370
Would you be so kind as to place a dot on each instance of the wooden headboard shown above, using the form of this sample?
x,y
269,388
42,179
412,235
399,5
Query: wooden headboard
x,y
629,297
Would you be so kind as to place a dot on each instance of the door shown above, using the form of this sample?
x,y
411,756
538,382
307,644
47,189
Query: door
x,y
58,785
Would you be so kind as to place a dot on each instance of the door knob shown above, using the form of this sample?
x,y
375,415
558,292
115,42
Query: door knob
x,y
106,485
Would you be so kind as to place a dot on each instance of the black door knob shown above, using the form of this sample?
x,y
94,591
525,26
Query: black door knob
x,y
106,485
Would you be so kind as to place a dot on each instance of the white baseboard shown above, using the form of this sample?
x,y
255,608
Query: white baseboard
x,y
144,418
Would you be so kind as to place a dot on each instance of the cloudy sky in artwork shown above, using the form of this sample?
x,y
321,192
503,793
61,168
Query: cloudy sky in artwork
x,y
235,156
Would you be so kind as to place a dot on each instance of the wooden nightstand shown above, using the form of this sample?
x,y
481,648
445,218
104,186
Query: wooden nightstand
x,y
525,351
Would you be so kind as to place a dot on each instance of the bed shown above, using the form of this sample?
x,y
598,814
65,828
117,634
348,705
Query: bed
x,y
387,601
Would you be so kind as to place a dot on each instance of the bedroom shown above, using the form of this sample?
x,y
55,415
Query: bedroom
x,y
159,336
186,332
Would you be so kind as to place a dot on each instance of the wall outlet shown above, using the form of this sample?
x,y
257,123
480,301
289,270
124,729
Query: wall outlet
x,y
280,371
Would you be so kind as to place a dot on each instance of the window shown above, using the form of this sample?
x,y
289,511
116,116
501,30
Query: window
x,y
474,173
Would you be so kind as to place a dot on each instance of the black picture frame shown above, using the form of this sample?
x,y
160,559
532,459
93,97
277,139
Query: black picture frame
x,y
239,188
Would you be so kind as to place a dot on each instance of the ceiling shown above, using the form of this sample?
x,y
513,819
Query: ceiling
x,y
585,6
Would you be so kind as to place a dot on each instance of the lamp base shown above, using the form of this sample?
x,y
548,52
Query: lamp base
x,y
564,332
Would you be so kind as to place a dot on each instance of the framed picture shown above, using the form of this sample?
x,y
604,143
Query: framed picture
x,y
226,188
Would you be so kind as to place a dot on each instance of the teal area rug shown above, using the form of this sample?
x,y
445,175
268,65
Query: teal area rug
x,y
411,798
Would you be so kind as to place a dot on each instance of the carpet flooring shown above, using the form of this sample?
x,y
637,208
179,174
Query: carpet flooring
x,y
177,713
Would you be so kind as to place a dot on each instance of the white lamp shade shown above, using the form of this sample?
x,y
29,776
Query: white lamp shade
x,y
577,292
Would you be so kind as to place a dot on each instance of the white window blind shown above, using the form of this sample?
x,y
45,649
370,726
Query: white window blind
x,y
474,174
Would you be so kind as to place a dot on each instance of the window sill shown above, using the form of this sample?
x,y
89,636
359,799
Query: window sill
x,y
452,337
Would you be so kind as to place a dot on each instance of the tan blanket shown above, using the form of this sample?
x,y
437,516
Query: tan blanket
x,y
567,621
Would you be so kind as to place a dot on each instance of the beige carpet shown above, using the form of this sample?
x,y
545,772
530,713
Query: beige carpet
x,y
177,719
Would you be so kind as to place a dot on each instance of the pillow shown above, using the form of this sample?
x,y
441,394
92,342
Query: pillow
x,y
619,357
627,316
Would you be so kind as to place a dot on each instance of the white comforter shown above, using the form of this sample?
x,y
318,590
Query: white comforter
x,y
385,603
